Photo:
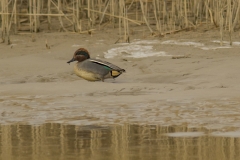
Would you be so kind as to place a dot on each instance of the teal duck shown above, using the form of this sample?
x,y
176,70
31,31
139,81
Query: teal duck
x,y
93,69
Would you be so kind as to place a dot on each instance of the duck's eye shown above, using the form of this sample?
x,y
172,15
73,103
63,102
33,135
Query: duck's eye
x,y
80,53
83,53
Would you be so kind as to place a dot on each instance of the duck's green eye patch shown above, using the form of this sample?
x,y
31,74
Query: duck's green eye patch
x,y
84,53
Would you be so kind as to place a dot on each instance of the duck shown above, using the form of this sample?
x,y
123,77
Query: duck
x,y
93,69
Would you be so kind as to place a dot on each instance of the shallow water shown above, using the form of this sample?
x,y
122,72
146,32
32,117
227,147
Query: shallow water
x,y
52,141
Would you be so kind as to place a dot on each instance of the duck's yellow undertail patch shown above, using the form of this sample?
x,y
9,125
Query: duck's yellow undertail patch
x,y
115,73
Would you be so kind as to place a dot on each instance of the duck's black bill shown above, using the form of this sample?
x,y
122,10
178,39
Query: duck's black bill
x,y
72,60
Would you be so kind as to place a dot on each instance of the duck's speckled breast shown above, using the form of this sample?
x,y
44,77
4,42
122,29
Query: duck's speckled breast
x,y
81,72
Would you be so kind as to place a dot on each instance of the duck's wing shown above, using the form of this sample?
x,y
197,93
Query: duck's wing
x,y
107,64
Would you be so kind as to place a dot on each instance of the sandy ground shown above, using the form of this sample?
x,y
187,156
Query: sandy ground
x,y
202,89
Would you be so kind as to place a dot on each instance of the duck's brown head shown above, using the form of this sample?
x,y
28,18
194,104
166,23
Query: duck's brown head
x,y
80,55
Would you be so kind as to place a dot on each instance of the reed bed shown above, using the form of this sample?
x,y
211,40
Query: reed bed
x,y
160,17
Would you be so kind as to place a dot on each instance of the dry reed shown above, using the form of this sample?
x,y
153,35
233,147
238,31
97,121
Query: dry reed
x,y
159,16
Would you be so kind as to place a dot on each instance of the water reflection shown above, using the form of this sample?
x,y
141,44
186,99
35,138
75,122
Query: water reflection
x,y
57,141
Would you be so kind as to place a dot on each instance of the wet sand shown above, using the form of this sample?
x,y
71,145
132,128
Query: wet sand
x,y
181,90
38,86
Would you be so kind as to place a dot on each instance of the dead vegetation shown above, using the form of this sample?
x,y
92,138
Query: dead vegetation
x,y
160,17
